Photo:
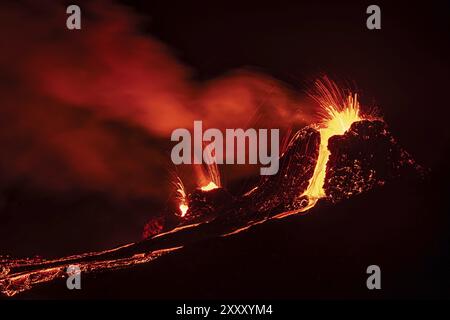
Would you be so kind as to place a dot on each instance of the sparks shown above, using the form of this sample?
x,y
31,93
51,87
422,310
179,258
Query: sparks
x,y
338,116
208,176
181,196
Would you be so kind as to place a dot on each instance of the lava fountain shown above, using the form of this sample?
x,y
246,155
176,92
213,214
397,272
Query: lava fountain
x,y
344,154
337,120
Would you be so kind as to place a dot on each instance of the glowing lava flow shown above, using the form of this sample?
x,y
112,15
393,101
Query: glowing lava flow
x,y
20,275
337,122
338,114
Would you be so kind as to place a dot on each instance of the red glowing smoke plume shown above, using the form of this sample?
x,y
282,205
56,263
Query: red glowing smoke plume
x,y
69,96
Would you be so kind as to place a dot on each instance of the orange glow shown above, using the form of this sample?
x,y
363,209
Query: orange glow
x,y
13,282
181,196
183,209
339,115
209,186
208,176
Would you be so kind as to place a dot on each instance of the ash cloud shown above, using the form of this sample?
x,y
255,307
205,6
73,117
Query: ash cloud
x,y
93,109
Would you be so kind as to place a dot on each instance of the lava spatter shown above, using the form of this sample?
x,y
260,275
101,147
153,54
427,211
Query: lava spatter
x,y
344,154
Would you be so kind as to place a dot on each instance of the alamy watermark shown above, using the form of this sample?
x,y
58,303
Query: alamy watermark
x,y
374,280
73,21
373,22
211,147
73,277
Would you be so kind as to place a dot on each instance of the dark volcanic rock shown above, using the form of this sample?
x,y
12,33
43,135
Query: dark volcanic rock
x,y
272,195
206,204
364,157
281,192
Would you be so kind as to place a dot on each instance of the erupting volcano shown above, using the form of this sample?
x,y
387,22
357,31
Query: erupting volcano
x,y
338,116
344,154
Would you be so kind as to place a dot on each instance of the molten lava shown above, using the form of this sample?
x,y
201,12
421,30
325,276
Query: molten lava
x,y
338,113
209,186
183,209
337,121
343,155
181,196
